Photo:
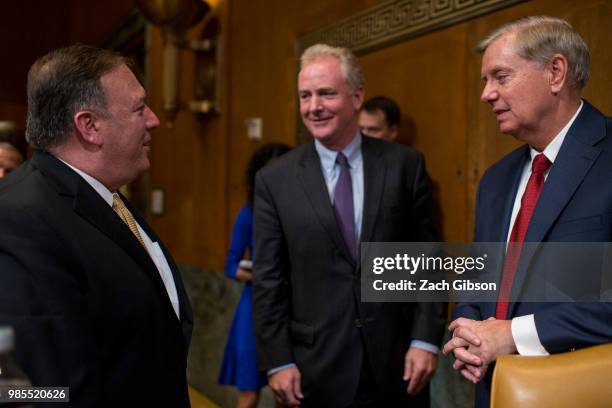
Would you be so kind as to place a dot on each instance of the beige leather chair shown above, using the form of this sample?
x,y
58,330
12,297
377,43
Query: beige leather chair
x,y
578,379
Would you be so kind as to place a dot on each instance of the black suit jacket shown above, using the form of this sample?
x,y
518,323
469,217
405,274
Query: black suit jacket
x,y
87,303
306,286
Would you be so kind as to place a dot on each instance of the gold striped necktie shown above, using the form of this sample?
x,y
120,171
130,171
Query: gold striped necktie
x,y
127,217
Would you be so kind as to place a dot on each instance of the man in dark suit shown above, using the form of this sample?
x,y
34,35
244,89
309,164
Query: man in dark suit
x,y
96,301
380,117
321,346
556,188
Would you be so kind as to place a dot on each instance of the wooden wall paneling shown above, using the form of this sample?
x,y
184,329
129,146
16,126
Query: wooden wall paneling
x,y
29,32
92,21
209,215
189,164
436,79
321,13
426,76
478,121
593,21
262,83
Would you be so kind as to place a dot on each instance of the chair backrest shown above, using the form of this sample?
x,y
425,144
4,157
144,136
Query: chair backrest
x,y
575,379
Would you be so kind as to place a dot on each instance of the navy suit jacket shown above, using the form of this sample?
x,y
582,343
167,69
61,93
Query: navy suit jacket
x,y
575,206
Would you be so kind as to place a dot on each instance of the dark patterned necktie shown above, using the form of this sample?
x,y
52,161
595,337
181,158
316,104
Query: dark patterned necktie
x,y
343,205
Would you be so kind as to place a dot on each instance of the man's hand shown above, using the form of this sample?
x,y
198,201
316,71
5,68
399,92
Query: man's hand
x,y
243,275
475,344
494,337
286,384
471,367
419,367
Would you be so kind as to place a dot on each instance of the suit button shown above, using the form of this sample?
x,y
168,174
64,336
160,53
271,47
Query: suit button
x,y
358,323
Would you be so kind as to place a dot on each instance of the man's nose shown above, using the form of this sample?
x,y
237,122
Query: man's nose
x,y
152,119
489,93
315,104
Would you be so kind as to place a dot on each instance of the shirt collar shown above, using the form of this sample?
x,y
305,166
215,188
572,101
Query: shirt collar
x,y
554,146
100,188
328,156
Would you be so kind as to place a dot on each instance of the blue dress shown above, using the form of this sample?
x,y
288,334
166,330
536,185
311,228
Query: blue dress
x,y
239,366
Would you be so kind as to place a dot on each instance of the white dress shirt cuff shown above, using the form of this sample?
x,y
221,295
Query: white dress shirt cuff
x,y
526,337
277,369
423,345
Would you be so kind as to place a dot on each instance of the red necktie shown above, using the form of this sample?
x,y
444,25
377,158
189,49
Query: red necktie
x,y
539,166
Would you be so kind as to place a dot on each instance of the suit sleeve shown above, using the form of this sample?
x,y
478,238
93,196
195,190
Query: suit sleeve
x,y
429,318
423,207
271,294
574,325
44,301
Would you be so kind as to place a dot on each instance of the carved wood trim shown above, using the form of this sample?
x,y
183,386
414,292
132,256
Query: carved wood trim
x,y
394,21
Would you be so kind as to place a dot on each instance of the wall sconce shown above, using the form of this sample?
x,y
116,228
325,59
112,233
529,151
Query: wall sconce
x,y
175,17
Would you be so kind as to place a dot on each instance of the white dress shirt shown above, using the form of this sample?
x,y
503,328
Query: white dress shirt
x,y
524,330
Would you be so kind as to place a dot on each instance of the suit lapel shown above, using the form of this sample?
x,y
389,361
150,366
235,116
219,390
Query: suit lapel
x,y
503,199
575,158
374,172
313,182
185,312
88,204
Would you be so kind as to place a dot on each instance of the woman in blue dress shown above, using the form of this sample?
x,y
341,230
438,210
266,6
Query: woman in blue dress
x,y
239,366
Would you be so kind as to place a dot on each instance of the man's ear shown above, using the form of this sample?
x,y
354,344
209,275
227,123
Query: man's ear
x,y
87,124
358,98
557,73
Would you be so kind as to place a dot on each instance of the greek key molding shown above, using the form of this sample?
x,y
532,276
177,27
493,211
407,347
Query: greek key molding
x,y
394,21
